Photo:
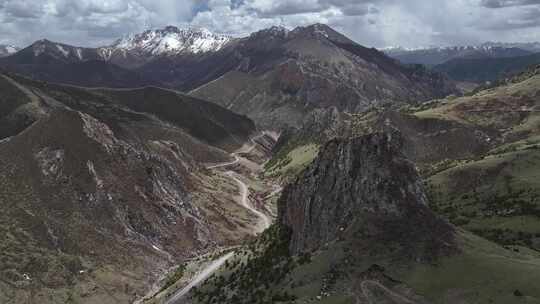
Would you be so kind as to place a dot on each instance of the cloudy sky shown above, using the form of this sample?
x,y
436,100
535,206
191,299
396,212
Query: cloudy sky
x,y
378,23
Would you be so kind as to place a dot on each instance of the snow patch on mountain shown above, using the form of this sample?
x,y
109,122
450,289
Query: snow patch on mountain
x,y
6,50
11,49
62,50
172,40
485,47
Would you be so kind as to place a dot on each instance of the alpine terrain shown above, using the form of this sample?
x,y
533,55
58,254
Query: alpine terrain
x,y
259,163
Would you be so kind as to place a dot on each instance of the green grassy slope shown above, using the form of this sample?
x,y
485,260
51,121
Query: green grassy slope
x,y
482,272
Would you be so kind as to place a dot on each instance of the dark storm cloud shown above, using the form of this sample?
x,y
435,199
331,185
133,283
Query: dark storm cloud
x,y
508,3
527,19
21,9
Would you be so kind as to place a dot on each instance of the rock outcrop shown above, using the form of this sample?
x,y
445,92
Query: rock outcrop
x,y
363,187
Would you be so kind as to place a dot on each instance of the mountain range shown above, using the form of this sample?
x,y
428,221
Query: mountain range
x,y
438,55
488,62
482,70
293,71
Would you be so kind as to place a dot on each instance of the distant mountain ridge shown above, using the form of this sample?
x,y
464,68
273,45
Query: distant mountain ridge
x,y
129,51
61,63
438,55
481,70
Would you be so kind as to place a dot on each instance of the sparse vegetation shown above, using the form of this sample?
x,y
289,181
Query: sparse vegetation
x,y
263,263
176,275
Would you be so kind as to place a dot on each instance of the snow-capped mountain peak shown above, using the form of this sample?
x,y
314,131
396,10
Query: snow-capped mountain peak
x,y
6,50
172,40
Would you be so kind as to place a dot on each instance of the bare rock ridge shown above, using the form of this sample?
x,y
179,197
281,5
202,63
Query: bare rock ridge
x,y
281,75
363,184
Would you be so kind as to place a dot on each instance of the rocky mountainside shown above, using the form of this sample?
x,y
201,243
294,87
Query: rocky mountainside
x,y
478,154
437,132
55,62
356,227
101,190
6,50
276,76
440,55
353,185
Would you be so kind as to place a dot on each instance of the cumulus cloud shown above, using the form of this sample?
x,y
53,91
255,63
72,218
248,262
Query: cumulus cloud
x,y
376,23
23,9
86,22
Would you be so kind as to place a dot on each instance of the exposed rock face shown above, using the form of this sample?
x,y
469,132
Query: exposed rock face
x,y
105,181
362,185
281,76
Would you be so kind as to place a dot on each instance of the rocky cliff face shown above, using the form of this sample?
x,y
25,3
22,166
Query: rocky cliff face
x,y
366,187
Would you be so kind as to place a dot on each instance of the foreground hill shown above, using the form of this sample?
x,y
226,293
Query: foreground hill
x,y
355,227
498,190
102,190
276,76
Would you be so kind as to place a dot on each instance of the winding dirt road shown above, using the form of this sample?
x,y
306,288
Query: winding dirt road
x,y
264,220
263,223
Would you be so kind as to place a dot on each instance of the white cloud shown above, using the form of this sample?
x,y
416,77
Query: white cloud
x,y
370,22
